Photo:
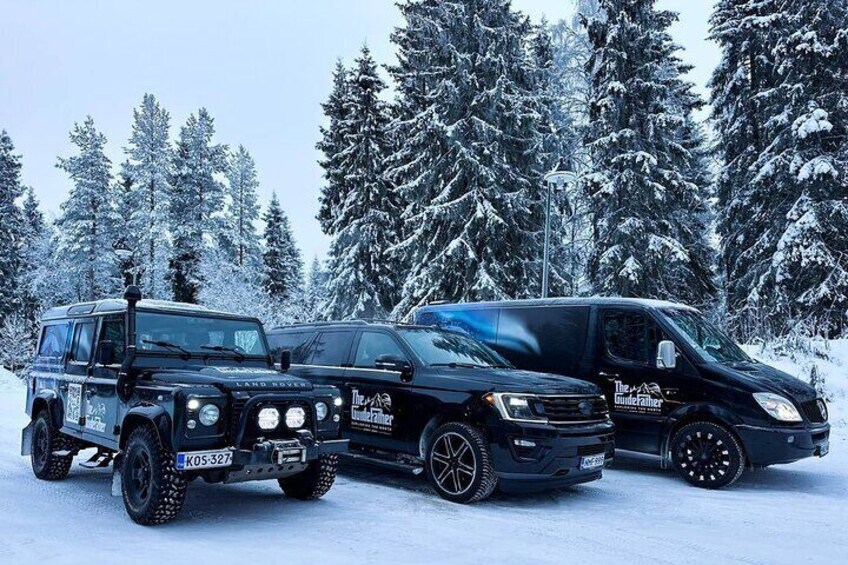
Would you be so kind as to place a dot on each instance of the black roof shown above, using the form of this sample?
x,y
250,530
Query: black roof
x,y
116,305
571,301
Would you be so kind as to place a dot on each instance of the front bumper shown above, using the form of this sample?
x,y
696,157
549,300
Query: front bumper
x,y
773,445
554,459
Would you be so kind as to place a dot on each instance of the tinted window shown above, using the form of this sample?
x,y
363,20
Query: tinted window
x,y
712,343
548,339
439,347
198,333
481,324
295,342
374,344
629,336
53,340
113,330
330,349
83,341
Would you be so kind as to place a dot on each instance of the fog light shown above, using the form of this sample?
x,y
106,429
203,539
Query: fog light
x,y
790,439
524,442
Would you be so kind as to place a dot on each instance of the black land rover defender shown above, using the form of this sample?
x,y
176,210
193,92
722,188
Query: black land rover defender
x,y
422,398
171,392
678,386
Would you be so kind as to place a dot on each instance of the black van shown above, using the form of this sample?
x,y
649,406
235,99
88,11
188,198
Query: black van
x,y
677,386
424,398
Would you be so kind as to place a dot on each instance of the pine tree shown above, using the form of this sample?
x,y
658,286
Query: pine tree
x,y
240,240
315,296
35,255
361,278
147,175
466,166
88,218
283,278
11,237
196,201
332,145
641,181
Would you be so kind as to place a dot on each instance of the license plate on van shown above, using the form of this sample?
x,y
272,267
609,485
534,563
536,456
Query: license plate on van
x,y
592,462
204,459
824,449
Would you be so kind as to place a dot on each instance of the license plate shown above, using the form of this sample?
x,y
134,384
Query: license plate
x,y
592,461
204,459
824,449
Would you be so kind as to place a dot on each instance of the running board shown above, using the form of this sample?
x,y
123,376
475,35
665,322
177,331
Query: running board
x,y
98,460
385,463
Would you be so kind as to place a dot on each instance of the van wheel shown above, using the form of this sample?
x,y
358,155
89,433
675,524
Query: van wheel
x,y
459,465
707,455
314,482
46,440
152,488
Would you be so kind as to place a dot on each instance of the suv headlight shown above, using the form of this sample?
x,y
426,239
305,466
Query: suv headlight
x,y
778,407
209,415
514,406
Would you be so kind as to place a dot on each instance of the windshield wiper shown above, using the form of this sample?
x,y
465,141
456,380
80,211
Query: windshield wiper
x,y
186,354
239,356
454,365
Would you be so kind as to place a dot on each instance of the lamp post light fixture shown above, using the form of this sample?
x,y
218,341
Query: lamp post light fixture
x,y
554,179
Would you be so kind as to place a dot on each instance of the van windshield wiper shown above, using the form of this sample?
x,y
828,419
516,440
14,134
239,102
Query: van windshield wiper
x,y
239,356
186,354
454,365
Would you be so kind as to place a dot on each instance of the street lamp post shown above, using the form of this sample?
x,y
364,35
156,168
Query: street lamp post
x,y
554,179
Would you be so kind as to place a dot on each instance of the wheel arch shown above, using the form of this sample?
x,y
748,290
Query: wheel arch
x,y
154,416
447,413
48,400
698,413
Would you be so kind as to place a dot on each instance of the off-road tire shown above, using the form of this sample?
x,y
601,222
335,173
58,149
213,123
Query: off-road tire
x,y
721,465
314,482
46,439
146,462
482,479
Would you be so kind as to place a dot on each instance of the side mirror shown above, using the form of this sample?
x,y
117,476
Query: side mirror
x,y
285,360
106,352
391,363
666,355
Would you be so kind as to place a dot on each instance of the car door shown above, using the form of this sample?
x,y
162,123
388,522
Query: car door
x,y
381,402
639,394
101,393
50,371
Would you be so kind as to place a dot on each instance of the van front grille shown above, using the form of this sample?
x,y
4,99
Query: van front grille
x,y
815,410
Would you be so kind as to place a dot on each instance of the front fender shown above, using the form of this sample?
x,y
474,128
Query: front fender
x,y
50,400
152,415
690,412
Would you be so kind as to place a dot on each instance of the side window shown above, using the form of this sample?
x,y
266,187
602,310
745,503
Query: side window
x,y
83,341
373,345
296,342
330,349
481,324
113,330
549,339
53,340
629,336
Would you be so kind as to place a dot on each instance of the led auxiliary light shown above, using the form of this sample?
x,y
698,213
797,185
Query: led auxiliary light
x,y
268,418
295,417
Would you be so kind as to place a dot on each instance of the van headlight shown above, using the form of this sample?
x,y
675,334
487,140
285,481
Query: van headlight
x,y
778,407
514,406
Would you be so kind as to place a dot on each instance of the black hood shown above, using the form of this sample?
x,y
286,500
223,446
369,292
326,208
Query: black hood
x,y
234,378
505,380
758,377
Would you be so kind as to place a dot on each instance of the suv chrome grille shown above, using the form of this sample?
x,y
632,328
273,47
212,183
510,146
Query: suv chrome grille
x,y
573,408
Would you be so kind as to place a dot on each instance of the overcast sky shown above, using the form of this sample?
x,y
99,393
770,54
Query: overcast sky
x,y
261,68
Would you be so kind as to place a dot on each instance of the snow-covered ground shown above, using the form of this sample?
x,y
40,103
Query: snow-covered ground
x,y
636,514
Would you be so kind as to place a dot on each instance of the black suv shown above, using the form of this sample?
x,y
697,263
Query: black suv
x,y
169,393
432,399
677,385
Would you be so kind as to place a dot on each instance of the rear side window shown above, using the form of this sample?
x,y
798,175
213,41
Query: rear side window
x,y
53,340
481,324
628,336
330,349
295,342
83,342
547,339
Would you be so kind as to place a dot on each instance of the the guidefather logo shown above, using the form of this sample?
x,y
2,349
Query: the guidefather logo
x,y
647,398
371,413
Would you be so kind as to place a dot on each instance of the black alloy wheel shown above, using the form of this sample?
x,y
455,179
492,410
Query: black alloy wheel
x,y
458,463
707,455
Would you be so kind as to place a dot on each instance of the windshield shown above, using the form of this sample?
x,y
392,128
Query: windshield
x,y
712,343
198,335
438,347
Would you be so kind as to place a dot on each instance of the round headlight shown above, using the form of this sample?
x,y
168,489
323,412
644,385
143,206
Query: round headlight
x,y
268,418
209,414
295,417
321,410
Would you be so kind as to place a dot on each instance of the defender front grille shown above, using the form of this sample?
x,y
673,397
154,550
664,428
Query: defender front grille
x,y
561,409
813,411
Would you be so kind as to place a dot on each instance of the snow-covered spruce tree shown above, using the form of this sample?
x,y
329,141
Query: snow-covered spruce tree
x,y
35,256
466,167
11,237
88,220
148,174
747,209
807,159
332,145
239,239
642,188
315,294
16,344
283,266
361,273
197,198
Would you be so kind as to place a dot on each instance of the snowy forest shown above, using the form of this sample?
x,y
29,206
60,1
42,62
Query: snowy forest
x,y
433,179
